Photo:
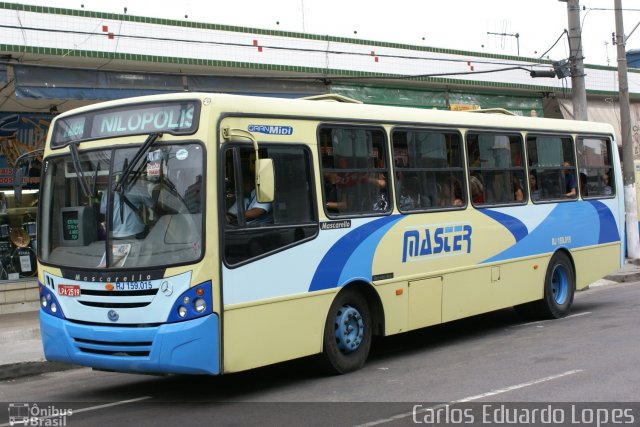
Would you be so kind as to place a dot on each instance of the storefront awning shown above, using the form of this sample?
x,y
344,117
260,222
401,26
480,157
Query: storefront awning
x,y
58,83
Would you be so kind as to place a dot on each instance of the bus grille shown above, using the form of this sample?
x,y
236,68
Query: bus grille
x,y
150,292
115,304
113,299
114,348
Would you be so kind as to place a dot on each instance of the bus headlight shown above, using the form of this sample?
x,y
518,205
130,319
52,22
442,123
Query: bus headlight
x,y
182,311
200,305
193,303
49,303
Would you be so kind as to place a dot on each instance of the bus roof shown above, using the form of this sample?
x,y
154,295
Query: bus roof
x,y
340,111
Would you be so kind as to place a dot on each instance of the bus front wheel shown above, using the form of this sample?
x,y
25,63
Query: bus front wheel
x,y
347,333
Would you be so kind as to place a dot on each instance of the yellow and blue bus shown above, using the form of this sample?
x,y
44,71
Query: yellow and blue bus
x,y
211,233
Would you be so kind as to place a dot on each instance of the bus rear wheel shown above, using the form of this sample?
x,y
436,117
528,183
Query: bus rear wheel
x,y
347,333
559,287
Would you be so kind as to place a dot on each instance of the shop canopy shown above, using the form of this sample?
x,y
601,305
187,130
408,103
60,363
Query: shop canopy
x,y
63,83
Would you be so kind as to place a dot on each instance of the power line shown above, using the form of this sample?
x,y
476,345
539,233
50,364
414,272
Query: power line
x,y
554,44
613,9
273,47
323,77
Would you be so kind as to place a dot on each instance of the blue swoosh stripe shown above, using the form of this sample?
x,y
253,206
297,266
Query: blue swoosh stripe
x,y
608,226
579,224
340,257
514,225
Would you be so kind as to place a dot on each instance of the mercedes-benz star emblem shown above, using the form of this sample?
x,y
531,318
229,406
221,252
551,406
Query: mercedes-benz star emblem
x,y
166,288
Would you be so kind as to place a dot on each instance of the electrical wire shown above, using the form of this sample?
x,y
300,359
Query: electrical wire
x,y
323,77
274,47
554,44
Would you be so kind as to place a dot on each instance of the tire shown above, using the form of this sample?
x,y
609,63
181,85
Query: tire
x,y
346,348
559,288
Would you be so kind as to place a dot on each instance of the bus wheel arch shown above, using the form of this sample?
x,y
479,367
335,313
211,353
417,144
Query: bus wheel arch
x,y
559,289
354,316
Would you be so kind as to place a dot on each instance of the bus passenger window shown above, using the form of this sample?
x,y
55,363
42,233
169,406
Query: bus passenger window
x,y
594,162
429,169
550,161
496,169
354,171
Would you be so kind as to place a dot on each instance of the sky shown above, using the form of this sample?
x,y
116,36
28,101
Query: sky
x,y
453,24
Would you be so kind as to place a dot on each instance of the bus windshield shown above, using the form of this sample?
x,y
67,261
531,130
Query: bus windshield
x,y
152,217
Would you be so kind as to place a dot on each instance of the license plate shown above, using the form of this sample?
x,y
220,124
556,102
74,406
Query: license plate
x,y
69,290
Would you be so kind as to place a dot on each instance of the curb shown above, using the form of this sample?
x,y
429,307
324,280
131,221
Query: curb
x,y
623,277
23,369
601,282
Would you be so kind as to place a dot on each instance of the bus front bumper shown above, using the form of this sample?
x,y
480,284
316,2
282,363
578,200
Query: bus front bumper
x,y
189,347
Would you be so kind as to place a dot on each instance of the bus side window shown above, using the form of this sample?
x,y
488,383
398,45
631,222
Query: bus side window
x,y
354,170
594,163
496,168
551,161
429,169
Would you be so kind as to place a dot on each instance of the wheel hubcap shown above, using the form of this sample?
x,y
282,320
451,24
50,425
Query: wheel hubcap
x,y
349,329
559,285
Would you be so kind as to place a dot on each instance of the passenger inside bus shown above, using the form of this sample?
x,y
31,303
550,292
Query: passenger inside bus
x,y
450,194
254,211
334,198
570,186
379,184
533,187
477,189
518,191
607,190
409,193
458,199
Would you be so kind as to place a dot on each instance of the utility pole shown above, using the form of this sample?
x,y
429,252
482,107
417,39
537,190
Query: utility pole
x,y
578,88
628,169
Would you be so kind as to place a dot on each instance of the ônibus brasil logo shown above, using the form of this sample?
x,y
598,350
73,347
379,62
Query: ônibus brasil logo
x,y
32,414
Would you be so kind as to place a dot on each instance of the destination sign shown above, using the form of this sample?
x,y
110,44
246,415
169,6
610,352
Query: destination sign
x,y
179,118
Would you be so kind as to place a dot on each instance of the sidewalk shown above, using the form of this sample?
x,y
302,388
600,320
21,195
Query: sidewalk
x,y
22,350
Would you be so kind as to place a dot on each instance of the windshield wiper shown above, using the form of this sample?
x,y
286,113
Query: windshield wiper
x,y
75,157
126,173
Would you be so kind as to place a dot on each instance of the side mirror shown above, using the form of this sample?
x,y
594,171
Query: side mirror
x,y
265,180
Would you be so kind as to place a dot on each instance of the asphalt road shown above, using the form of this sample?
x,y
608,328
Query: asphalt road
x,y
591,356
